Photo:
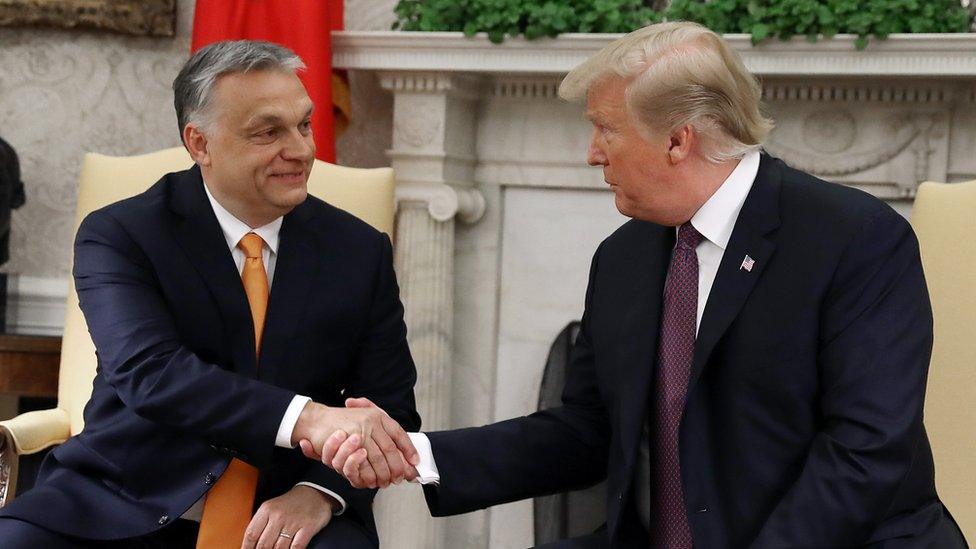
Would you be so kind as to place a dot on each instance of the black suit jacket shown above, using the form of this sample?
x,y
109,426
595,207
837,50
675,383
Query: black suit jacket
x,y
179,391
803,422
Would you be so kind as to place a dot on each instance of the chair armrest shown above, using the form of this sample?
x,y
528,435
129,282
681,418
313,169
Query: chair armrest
x,y
8,467
27,434
34,431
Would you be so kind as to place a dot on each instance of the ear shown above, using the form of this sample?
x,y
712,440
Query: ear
x,y
681,143
196,142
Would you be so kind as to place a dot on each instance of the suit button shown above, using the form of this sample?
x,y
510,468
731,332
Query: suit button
x,y
209,480
163,519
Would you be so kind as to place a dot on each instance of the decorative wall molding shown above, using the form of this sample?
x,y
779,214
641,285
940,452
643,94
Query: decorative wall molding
x,y
838,130
36,305
514,87
863,91
426,82
899,55
443,201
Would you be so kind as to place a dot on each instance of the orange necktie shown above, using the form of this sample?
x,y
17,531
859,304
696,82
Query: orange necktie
x,y
227,511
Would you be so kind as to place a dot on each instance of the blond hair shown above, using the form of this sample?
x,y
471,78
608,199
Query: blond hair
x,y
680,74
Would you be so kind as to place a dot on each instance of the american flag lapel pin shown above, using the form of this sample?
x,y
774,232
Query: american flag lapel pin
x,y
747,263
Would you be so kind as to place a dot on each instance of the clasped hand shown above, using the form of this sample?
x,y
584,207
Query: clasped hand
x,y
361,442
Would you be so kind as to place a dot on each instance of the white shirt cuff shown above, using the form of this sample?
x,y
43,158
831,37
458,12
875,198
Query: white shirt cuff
x,y
288,421
337,497
427,468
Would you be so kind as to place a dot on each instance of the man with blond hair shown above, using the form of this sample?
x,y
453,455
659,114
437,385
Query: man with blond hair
x,y
750,369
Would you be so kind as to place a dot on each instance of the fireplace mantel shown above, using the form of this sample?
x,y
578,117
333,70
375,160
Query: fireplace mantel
x,y
901,55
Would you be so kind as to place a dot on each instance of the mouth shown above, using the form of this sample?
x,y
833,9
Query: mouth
x,y
289,178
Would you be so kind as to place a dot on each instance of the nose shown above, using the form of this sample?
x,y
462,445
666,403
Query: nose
x,y
595,155
298,146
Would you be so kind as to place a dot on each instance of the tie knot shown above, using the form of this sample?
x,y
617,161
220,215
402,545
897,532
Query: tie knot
x,y
688,236
252,244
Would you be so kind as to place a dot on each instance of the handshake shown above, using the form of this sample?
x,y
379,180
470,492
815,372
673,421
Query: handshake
x,y
360,442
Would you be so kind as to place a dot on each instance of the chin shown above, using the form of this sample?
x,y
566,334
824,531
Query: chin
x,y
297,197
623,207
290,199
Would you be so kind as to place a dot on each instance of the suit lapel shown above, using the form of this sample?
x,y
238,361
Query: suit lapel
x,y
640,331
199,234
300,257
733,284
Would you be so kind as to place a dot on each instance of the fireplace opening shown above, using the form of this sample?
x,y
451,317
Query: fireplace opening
x,y
569,514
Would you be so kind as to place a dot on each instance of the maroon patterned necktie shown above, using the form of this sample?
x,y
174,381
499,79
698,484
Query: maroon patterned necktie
x,y
669,522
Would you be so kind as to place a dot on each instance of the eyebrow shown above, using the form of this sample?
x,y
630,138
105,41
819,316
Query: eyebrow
x,y
596,117
274,118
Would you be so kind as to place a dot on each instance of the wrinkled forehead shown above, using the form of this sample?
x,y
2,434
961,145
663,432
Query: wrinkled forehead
x,y
607,97
261,94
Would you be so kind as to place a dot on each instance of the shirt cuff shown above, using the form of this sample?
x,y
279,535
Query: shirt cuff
x,y
288,421
337,497
427,468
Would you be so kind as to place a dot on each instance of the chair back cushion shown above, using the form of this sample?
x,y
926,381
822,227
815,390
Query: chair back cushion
x,y
944,218
365,193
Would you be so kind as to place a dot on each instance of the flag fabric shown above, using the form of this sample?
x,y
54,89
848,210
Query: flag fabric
x,y
303,26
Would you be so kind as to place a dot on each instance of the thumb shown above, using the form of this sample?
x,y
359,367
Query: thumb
x,y
309,450
361,402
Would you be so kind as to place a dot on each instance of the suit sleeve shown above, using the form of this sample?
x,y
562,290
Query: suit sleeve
x,y
555,450
875,343
384,373
141,356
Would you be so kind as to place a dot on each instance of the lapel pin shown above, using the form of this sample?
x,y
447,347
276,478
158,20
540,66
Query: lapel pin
x,y
747,264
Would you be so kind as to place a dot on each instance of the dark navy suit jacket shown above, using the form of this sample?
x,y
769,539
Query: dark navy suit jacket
x,y
178,390
803,423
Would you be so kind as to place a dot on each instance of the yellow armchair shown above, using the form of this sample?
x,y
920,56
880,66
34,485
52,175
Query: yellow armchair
x,y
365,193
944,217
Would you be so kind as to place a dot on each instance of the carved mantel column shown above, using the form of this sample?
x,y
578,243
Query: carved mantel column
x,y
433,156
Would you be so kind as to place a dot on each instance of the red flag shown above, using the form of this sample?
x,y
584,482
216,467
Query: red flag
x,y
301,25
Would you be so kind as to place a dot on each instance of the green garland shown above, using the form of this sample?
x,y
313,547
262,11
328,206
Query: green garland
x,y
760,18
532,18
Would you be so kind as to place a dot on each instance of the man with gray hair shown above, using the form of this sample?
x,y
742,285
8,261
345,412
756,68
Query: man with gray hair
x,y
232,314
751,363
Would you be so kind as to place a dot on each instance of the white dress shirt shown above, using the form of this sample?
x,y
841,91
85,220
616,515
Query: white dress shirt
x,y
234,230
715,220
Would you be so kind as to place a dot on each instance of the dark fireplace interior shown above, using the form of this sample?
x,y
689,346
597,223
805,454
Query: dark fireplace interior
x,y
569,514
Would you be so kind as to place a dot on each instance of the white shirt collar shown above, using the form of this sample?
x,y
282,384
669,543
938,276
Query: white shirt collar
x,y
716,217
235,229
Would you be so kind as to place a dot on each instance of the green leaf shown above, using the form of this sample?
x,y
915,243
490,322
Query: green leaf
x,y
762,19
760,32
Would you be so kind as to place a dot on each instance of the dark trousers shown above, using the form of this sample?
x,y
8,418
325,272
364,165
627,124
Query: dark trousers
x,y
15,534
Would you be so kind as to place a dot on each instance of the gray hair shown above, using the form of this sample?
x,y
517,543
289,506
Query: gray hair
x,y
681,74
193,87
